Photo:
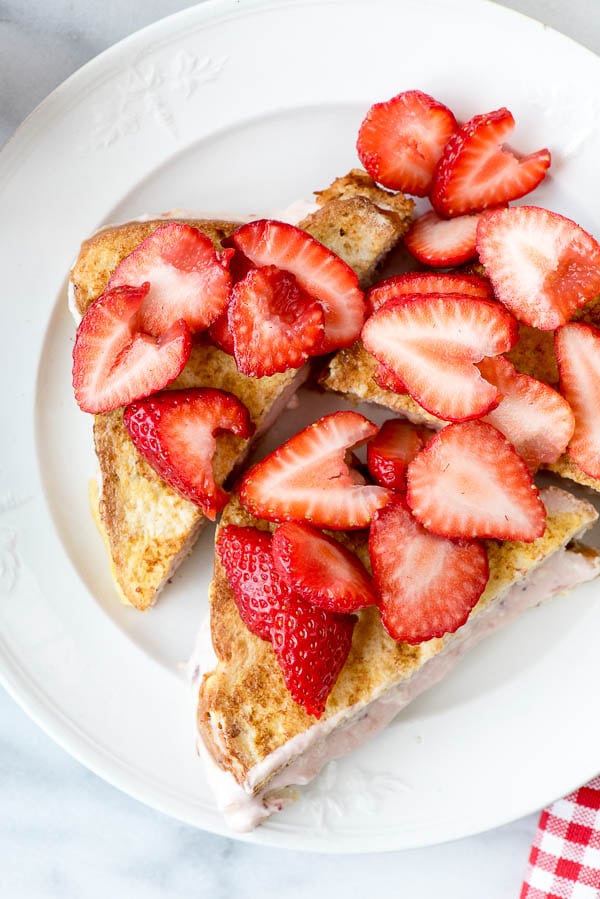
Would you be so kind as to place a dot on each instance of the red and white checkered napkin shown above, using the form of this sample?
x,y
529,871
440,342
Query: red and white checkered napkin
x,y
564,862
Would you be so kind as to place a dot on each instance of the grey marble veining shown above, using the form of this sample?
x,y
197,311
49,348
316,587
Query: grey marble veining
x,y
64,833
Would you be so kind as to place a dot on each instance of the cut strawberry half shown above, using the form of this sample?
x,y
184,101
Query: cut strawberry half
x,y
432,342
320,569
175,432
469,482
427,585
542,266
390,451
578,354
477,171
319,272
442,242
311,646
258,589
188,278
113,362
410,283
307,478
535,418
401,140
275,324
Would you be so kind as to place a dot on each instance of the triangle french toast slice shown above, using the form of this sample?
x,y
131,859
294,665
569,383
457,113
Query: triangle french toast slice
x,y
258,743
148,527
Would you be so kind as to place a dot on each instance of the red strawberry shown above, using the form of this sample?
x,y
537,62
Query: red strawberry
x,y
535,418
320,569
311,646
274,323
113,362
477,171
427,584
432,342
401,140
175,432
442,242
258,589
220,334
410,283
386,378
390,451
469,482
319,272
188,278
578,354
307,478
542,266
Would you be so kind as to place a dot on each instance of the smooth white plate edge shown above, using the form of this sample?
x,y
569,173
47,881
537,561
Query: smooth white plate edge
x,y
180,14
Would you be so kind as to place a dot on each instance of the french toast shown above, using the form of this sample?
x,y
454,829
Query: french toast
x,y
259,744
147,526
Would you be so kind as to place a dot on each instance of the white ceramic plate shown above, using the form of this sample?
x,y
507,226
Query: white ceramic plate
x,y
243,109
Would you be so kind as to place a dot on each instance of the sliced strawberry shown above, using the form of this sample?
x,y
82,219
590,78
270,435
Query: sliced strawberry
x,y
477,171
307,478
442,242
432,342
311,646
386,378
535,418
578,354
275,324
258,589
188,278
320,569
401,140
115,363
427,585
220,334
542,266
410,283
469,482
390,451
175,432
320,273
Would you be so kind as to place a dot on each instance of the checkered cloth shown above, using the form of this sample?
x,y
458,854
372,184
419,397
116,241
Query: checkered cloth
x,y
564,862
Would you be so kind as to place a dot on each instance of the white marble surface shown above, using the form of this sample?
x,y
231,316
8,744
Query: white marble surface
x,y
65,833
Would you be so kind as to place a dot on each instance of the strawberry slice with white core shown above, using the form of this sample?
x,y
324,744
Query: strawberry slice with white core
x,y
432,342
114,362
410,283
274,323
319,272
175,431
427,585
470,482
477,171
311,646
258,589
536,419
401,140
442,242
578,354
320,569
542,266
188,278
308,479
390,451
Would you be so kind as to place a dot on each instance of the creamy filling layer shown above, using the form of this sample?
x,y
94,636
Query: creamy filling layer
x,y
302,758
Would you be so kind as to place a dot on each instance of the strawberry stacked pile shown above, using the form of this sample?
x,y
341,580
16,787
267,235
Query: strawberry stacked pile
x,y
273,299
